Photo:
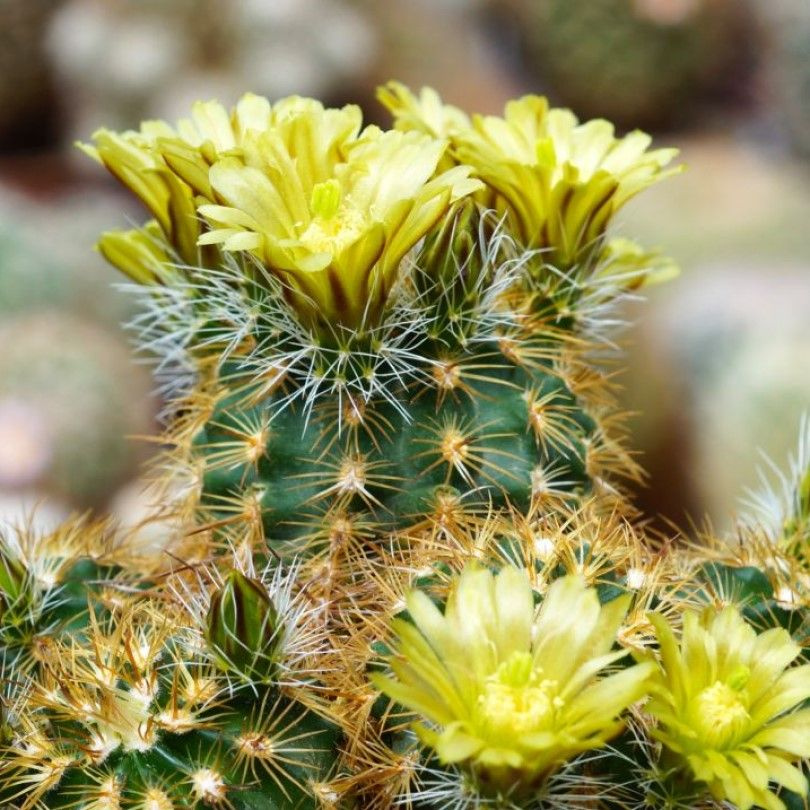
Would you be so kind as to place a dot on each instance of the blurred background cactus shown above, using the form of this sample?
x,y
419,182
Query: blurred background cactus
x,y
639,63
68,409
71,400
788,27
208,47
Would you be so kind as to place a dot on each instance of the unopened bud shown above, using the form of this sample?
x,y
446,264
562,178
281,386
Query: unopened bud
x,y
14,580
451,255
242,628
455,270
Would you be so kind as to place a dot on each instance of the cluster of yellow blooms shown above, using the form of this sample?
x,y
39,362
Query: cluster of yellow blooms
x,y
331,208
512,692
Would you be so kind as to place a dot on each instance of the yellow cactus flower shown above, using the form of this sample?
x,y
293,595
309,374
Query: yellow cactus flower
x,y
167,168
425,113
629,266
140,253
509,692
329,209
212,134
333,225
134,161
726,702
558,181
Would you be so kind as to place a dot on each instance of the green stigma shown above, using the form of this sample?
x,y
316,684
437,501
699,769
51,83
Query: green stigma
x,y
325,199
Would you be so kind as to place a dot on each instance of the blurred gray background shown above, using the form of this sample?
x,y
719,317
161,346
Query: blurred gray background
x,y
718,361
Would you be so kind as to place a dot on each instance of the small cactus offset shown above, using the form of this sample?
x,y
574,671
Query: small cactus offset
x,y
45,581
409,575
145,709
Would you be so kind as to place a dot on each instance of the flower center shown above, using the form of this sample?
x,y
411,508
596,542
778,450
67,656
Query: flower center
x,y
517,700
721,714
335,224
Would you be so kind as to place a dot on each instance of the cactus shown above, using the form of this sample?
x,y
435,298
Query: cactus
x,y
171,697
602,57
766,571
376,354
378,349
44,583
120,694
516,718
136,712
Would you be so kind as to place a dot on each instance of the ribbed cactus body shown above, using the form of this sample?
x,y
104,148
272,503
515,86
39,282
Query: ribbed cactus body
x,y
157,743
153,700
44,589
480,428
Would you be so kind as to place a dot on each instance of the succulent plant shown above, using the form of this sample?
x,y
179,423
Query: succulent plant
x,y
134,712
513,718
534,662
409,576
45,579
360,340
603,57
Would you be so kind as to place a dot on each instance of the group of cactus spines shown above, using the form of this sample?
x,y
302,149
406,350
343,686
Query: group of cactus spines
x,y
120,693
409,575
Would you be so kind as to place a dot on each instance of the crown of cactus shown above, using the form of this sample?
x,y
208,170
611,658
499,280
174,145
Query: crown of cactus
x,y
129,719
357,332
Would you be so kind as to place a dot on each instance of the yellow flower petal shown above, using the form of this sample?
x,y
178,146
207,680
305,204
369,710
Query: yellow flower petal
x,y
568,617
137,253
559,181
514,606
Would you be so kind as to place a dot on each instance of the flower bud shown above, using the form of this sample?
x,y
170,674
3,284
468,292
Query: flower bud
x,y
13,580
455,269
242,628
453,255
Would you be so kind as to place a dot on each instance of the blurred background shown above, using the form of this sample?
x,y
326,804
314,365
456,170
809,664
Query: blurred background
x,y
718,361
